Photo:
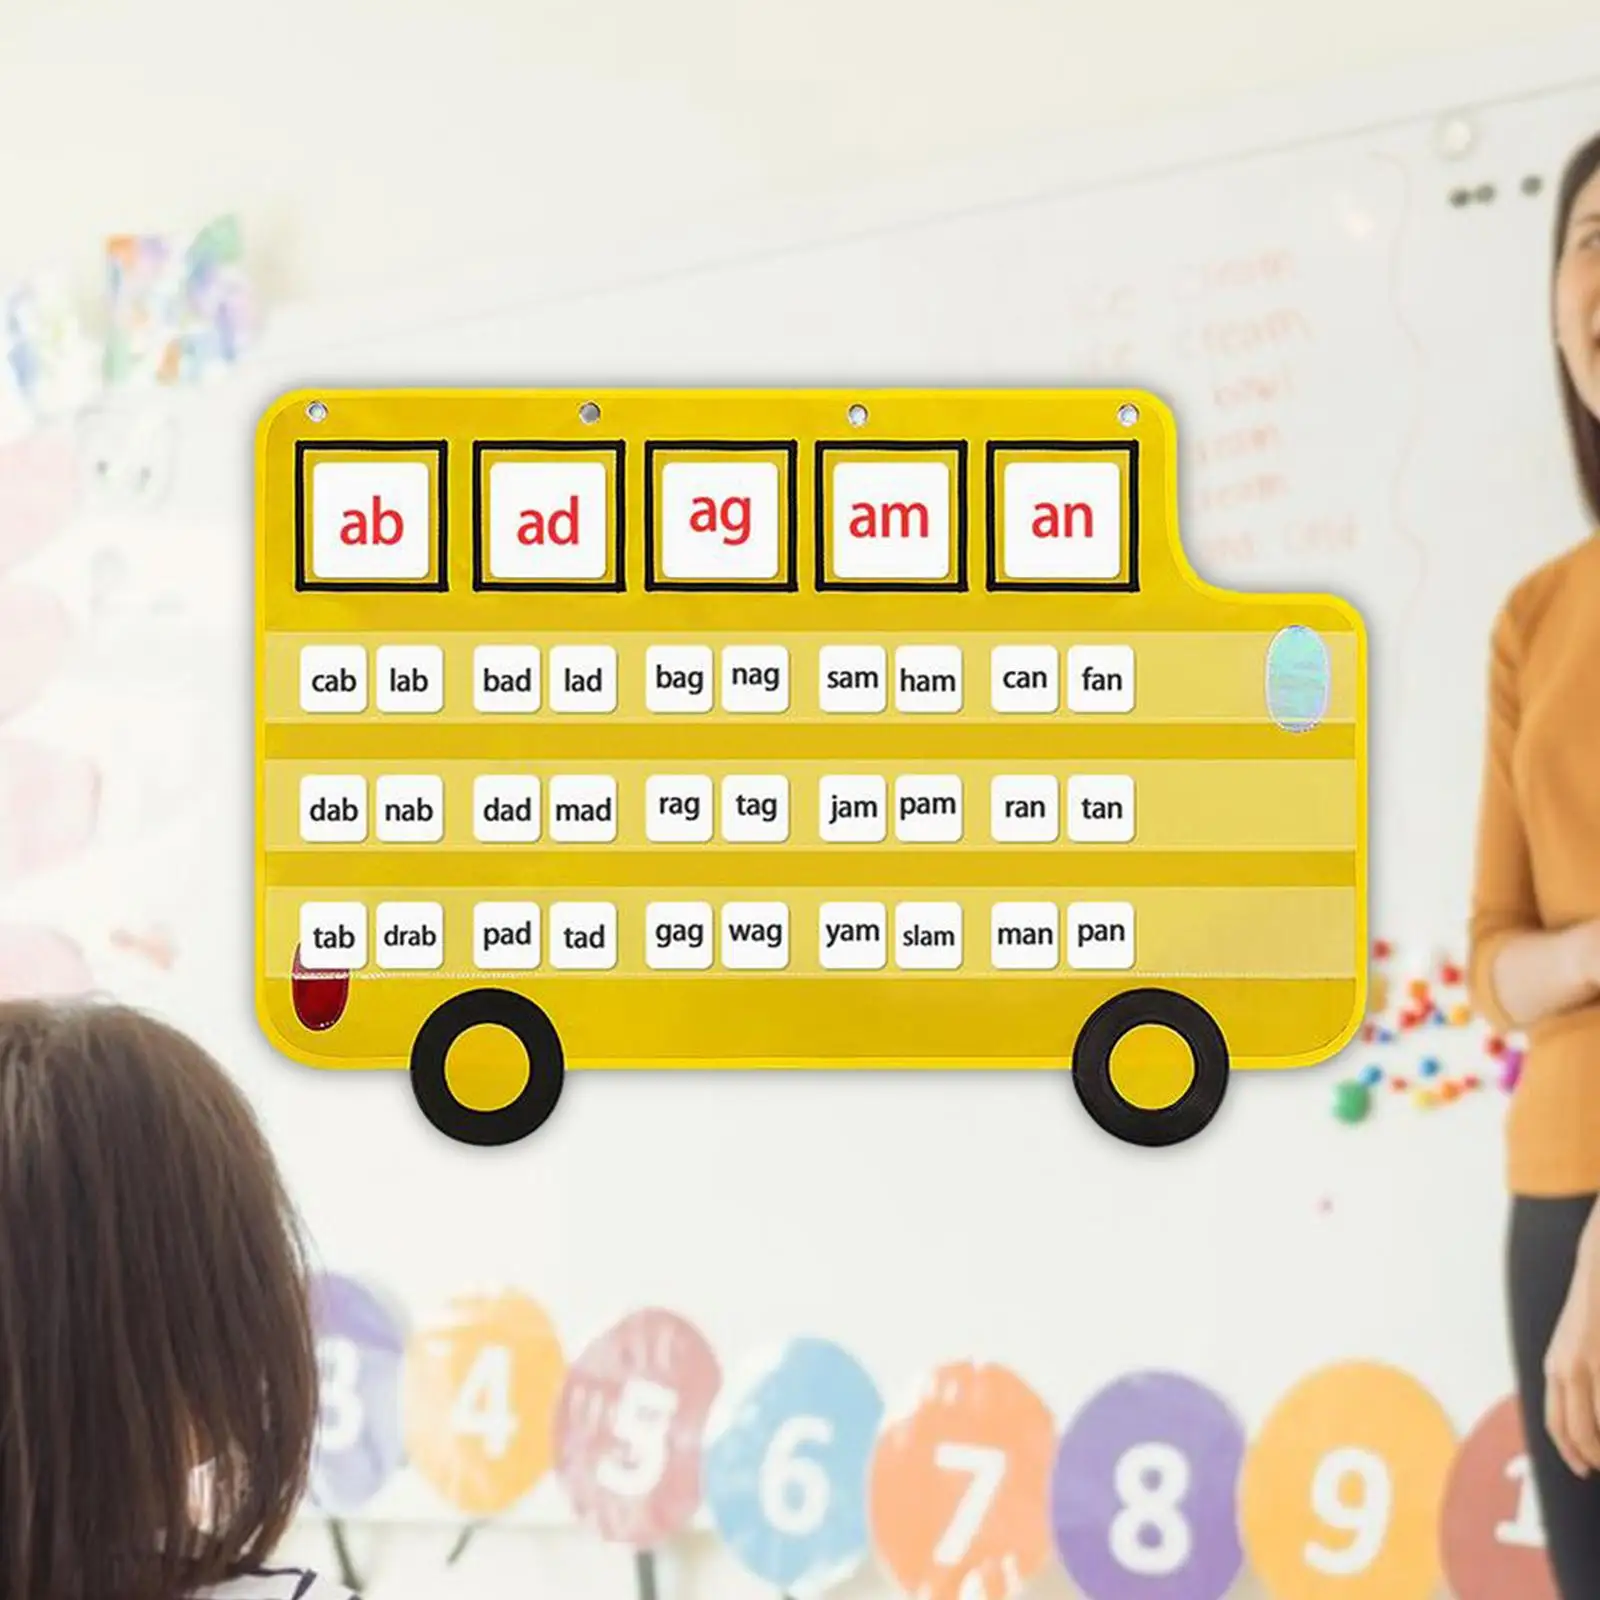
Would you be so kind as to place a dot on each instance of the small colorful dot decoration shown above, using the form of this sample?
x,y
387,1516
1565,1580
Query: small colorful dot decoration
x,y
1402,1015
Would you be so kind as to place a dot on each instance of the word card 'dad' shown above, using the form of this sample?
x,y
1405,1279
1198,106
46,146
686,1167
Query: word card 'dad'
x,y
777,728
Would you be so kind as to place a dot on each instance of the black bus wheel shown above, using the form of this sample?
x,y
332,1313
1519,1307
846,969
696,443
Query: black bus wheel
x,y
1144,1125
533,1104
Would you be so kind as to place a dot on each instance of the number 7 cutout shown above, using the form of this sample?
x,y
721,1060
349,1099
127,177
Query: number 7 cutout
x,y
1342,1490
1491,1535
958,1485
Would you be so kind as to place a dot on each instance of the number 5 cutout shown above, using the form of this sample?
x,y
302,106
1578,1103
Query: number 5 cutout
x,y
1341,1492
1491,1536
630,1425
958,1484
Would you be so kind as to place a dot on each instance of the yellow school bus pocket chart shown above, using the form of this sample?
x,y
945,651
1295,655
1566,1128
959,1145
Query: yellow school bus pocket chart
x,y
830,730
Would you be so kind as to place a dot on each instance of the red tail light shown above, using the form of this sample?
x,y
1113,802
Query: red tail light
x,y
319,997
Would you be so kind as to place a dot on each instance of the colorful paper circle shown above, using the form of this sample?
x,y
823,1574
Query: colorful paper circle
x,y
1143,1496
1491,1536
958,1487
1342,1490
360,1352
480,1386
787,1450
630,1426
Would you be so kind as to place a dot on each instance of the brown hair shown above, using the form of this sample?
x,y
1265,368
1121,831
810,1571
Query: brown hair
x,y
1582,425
153,1314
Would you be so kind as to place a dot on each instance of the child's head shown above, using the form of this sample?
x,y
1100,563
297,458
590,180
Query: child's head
x,y
153,1314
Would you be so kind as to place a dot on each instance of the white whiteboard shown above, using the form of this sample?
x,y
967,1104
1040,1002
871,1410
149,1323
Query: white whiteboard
x,y
1364,384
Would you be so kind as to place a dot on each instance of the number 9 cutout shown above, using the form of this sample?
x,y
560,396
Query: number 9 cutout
x,y
1341,1492
787,1451
1144,1494
958,1488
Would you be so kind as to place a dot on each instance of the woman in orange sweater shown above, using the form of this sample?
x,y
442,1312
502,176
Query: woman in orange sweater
x,y
1535,963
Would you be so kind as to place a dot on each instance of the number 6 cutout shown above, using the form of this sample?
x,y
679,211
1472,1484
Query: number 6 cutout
x,y
1143,1495
1342,1489
1491,1534
787,1450
958,1485
630,1424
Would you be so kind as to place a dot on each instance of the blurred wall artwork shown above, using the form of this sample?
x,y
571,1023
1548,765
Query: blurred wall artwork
x,y
89,446
180,310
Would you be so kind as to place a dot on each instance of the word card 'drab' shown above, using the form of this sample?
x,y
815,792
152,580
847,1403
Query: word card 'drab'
x,y
788,729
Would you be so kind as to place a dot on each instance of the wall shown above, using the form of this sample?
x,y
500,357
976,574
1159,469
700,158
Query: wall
x,y
366,142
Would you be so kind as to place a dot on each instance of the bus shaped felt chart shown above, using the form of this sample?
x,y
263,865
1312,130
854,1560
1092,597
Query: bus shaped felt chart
x,y
807,729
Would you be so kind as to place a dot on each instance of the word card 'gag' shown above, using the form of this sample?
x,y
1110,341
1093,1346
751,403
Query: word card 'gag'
x,y
826,729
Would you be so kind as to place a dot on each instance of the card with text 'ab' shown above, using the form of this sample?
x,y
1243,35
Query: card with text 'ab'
x,y
764,728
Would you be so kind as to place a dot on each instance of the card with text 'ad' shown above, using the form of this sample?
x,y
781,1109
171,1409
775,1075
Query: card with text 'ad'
x,y
808,729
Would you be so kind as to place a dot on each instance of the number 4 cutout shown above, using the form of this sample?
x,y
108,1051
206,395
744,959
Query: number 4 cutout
x,y
483,1404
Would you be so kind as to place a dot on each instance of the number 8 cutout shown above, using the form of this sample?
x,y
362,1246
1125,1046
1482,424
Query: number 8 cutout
x,y
630,1427
1492,1536
1143,1497
958,1487
788,1446
1342,1490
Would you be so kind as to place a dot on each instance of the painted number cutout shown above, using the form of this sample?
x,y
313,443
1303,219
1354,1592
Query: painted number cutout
x,y
481,1385
629,1427
1352,1494
1142,1497
360,1348
787,1452
958,1487
1343,1487
1491,1534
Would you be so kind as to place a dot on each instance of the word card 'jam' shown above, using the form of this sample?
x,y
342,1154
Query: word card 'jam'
x,y
582,715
